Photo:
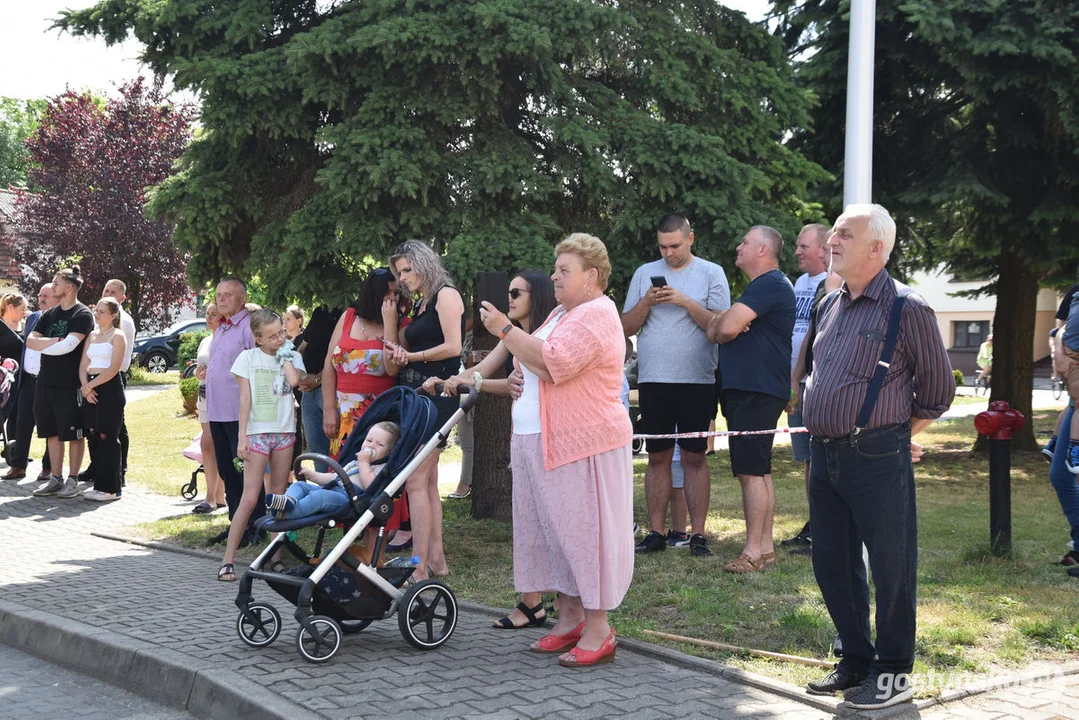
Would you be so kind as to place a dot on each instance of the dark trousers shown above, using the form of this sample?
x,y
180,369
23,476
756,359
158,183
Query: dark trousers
x,y
91,471
861,490
225,436
11,419
24,427
103,420
125,441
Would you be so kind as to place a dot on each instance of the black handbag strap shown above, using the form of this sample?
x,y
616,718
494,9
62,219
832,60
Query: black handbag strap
x,y
885,362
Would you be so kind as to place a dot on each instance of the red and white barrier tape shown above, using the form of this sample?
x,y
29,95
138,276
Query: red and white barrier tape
x,y
722,433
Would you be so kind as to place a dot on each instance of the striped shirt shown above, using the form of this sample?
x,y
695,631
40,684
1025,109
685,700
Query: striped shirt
x,y
849,342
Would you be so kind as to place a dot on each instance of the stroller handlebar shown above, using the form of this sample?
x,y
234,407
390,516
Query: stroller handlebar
x,y
469,402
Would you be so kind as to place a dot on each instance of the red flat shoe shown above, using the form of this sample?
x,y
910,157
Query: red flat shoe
x,y
584,658
558,643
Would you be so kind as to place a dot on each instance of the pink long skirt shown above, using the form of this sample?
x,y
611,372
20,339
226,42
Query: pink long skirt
x,y
573,526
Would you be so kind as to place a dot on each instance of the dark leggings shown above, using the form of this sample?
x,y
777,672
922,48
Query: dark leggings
x,y
103,420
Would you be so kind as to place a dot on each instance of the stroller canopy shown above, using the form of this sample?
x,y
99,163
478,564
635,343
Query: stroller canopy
x,y
416,416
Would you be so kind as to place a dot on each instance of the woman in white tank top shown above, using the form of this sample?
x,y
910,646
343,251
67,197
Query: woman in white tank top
x,y
103,399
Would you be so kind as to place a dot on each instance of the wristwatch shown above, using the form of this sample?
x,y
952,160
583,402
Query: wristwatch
x,y
477,380
505,331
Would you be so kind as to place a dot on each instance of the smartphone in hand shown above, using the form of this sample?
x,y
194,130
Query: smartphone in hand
x,y
658,281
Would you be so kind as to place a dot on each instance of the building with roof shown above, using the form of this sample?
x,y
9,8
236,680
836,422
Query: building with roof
x,y
10,272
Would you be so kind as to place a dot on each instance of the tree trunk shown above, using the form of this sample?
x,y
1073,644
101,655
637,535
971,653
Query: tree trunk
x,y
1013,342
492,485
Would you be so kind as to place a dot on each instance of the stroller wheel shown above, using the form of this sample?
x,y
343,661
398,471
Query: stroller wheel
x,y
324,643
260,625
427,614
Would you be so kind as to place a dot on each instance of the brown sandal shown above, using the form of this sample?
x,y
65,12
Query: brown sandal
x,y
768,559
744,564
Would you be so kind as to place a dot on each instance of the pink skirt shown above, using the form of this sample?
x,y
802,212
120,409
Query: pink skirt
x,y
573,526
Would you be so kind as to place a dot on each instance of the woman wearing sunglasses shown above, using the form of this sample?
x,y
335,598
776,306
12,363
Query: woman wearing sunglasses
x,y
531,300
429,347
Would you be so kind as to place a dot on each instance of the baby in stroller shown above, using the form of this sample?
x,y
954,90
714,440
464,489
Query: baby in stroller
x,y
328,494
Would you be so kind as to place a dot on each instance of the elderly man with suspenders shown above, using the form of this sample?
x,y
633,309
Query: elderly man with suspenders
x,y
880,375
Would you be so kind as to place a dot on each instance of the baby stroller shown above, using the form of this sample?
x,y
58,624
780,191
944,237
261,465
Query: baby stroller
x,y
9,376
190,489
331,601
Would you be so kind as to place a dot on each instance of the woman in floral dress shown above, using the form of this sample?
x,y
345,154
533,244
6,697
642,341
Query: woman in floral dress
x,y
357,370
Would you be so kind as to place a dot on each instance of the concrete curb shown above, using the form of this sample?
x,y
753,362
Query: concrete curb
x,y
165,676
156,545
659,652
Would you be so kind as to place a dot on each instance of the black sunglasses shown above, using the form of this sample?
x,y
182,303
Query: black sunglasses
x,y
403,249
516,292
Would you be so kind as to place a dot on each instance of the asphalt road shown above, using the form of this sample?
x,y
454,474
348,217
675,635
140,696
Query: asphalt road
x,y
31,688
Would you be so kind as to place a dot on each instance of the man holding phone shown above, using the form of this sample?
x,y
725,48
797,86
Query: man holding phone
x,y
669,303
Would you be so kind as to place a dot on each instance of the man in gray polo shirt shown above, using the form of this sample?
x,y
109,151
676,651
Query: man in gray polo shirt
x,y
668,306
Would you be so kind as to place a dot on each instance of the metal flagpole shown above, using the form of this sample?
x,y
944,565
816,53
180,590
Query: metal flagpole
x,y
858,152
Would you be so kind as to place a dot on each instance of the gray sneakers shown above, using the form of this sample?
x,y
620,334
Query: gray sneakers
x,y
52,487
99,496
71,488
881,690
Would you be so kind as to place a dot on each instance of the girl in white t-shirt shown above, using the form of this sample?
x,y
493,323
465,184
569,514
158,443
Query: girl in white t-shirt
x,y
266,374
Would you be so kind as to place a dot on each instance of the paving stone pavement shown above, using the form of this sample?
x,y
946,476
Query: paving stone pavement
x,y
31,689
172,601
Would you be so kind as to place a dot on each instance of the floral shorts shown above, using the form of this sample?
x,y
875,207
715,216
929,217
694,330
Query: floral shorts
x,y
266,443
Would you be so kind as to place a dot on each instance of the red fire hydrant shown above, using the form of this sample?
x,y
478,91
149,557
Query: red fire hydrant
x,y
999,422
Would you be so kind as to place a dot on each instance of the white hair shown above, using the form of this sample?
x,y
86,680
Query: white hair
x,y
881,224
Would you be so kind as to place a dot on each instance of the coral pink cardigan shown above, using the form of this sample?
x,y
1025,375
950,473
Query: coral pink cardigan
x,y
581,412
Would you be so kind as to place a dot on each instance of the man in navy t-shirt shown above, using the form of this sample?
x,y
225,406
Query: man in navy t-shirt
x,y
755,367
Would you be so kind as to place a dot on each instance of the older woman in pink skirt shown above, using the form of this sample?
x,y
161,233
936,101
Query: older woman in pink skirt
x,y
571,458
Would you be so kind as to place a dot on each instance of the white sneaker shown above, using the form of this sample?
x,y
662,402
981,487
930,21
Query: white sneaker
x,y
71,489
53,486
99,496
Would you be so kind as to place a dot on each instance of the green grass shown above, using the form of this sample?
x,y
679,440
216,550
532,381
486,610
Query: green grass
x,y
970,400
138,375
977,613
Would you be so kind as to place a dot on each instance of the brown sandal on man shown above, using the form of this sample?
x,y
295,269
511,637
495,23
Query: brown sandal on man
x,y
768,559
744,564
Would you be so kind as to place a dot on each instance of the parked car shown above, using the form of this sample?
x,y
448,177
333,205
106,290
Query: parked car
x,y
157,353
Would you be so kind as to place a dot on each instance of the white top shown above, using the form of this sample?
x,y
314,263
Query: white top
x,y
526,409
100,354
202,357
272,408
805,288
128,326
31,361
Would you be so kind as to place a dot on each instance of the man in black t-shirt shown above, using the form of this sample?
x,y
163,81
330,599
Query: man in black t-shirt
x,y
60,335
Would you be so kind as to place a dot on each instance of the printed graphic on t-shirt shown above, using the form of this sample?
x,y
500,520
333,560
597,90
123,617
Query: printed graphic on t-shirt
x,y
57,329
265,397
